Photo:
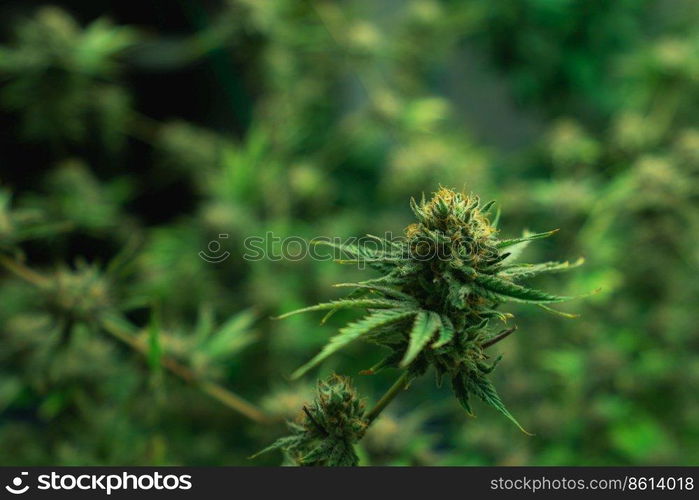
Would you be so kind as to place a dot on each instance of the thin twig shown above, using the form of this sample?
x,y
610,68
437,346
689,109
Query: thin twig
x,y
224,396
219,393
500,336
397,387
19,269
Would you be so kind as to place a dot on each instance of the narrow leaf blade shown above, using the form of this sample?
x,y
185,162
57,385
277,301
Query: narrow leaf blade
x,y
386,290
345,304
529,237
425,325
446,333
352,332
485,390
508,290
461,393
529,270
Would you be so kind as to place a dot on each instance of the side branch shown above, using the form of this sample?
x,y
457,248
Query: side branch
x,y
213,390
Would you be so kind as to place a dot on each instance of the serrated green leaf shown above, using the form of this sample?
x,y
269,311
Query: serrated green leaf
x,y
351,332
446,333
521,271
353,294
492,313
343,455
396,294
345,304
514,252
391,360
485,390
205,323
496,219
486,369
394,245
517,293
348,248
231,337
425,325
559,313
281,443
534,236
461,393
485,208
478,326
321,453
381,260
371,260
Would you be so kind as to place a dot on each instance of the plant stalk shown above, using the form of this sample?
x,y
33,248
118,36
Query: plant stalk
x,y
222,395
397,387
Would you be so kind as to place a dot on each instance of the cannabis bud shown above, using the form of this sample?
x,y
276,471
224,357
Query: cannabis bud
x,y
78,294
326,431
440,289
58,76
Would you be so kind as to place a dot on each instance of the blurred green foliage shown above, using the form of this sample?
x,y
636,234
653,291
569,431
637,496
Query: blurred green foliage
x,y
130,145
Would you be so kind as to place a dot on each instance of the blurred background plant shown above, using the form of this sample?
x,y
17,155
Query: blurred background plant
x,y
133,138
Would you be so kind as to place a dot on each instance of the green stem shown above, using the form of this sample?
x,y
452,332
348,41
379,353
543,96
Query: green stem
x,y
18,269
217,392
397,387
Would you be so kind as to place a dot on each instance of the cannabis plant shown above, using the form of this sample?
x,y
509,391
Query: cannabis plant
x,y
59,77
439,290
328,429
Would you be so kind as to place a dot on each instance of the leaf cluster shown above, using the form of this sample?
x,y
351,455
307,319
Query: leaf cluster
x,y
58,76
328,428
441,286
